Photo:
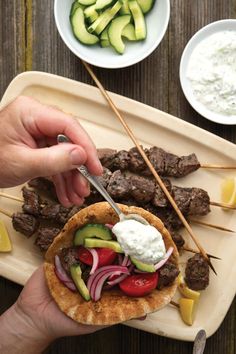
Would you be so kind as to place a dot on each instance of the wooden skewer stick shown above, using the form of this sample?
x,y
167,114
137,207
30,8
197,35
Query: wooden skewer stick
x,y
223,205
188,249
152,169
211,225
5,212
5,195
219,167
174,304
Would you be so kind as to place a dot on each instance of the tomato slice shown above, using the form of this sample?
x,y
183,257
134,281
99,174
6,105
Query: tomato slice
x,y
106,256
139,284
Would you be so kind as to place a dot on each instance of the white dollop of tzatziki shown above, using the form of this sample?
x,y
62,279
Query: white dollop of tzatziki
x,y
143,242
212,72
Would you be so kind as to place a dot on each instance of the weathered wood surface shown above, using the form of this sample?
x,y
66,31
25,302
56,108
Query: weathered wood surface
x,y
29,40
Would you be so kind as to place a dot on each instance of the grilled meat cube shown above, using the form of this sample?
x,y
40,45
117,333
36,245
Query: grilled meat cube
x,y
182,197
55,212
157,157
197,272
94,195
74,210
117,160
25,223
44,185
167,275
105,154
105,178
187,164
142,188
136,161
68,257
171,165
45,237
199,202
159,199
32,202
167,215
119,186
178,239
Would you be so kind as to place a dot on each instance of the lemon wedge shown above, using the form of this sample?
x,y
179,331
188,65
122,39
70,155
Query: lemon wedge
x,y
186,307
228,191
5,243
186,291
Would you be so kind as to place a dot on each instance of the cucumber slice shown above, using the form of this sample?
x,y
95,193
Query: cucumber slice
x,y
90,13
115,30
104,39
125,8
102,4
86,2
102,21
74,7
129,32
92,230
139,21
76,275
79,29
143,266
146,5
113,245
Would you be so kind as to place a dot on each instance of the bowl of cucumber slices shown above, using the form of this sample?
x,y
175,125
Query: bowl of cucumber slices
x,y
112,33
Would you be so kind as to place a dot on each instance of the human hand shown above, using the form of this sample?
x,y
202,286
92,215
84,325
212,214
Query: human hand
x,y
29,149
36,320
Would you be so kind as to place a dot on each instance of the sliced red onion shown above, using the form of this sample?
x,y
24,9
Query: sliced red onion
x,y
97,285
126,261
117,280
97,280
165,259
120,258
95,259
62,275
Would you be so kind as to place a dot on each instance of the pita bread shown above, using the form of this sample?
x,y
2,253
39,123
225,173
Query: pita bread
x,y
114,306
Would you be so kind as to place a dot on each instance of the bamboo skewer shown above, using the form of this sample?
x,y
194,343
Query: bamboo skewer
x,y
219,167
8,196
188,249
213,226
152,169
5,212
223,205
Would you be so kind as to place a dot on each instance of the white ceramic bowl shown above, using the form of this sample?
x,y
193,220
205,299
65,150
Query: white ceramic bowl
x,y
212,28
157,22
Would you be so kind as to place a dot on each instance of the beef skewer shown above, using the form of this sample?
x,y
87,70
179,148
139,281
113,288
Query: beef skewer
x,y
149,164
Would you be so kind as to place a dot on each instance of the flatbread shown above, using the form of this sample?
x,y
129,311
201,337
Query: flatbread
x,y
114,306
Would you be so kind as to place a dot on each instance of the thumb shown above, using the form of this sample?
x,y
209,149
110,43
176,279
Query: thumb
x,y
53,160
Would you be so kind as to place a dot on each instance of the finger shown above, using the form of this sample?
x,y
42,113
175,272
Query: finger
x,y
61,191
80,184
74,198
53,160
47,121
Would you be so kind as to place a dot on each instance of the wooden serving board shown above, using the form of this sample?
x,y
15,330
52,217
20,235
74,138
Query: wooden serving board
x,y
151,127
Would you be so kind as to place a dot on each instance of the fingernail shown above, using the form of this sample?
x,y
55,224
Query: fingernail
x,y
76,158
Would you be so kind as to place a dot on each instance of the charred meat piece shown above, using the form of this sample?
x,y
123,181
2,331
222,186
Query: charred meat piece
x,y
25,223
104,154
192,201
157,156
68,257
187,164
32,202
167,275
94,195
160,200
197,272
74,210
136,162
45,237
142,188
45,186
119,186
199,202
55,212
178,239
117,160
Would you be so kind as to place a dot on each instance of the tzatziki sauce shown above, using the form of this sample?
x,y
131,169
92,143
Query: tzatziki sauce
x,y
212,72
143,242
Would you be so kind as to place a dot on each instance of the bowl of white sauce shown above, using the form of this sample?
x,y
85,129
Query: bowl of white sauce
x,y
208,71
